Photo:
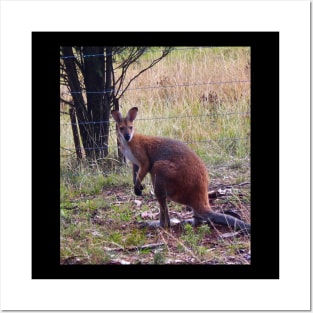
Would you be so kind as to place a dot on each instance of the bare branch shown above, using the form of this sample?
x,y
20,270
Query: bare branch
x,y
133,57
164,54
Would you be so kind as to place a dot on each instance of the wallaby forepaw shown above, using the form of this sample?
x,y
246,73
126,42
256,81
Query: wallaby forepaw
x,y
138,191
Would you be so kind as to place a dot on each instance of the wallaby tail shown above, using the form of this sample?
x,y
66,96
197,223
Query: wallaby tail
x,y
223,219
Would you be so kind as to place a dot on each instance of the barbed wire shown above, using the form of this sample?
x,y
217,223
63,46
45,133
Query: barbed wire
x,y
162,118
125,52
208,141
191,116
159,86
186,142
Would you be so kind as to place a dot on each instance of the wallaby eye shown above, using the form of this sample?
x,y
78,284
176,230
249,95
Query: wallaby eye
x,y
130,127
122,128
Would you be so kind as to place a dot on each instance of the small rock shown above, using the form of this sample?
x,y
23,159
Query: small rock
x,y
138,202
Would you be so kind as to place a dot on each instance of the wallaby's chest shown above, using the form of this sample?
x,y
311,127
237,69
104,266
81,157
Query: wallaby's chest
x,y
126,150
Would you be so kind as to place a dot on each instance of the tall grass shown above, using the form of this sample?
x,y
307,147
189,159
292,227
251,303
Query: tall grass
x,y
99,212
203,113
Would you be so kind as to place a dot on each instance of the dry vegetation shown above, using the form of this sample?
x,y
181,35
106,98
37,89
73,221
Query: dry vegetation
x,y
100,215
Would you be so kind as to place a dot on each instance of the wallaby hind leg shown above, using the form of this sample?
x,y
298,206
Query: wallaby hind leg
x,y
164,216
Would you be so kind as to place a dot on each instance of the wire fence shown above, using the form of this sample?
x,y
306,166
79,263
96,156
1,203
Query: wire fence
x,y
162,118
72,150
145,50
158,118
160,87
208,141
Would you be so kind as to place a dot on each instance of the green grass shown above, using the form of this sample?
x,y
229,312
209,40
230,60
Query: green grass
x,y
98,213
193,238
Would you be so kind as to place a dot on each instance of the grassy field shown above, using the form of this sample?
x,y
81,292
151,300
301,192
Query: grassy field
x,y
209,109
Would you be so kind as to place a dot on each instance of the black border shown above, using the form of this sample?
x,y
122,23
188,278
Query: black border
x,y
264,155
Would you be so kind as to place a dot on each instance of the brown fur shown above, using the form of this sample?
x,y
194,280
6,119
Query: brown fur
x,y
177,173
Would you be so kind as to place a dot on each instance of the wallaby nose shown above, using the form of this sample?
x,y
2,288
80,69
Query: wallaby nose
x,y
127,137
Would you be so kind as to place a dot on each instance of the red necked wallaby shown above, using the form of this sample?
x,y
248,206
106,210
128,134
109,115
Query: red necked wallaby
x,y
177,173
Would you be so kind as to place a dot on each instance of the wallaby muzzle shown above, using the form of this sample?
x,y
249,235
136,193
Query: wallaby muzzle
x,y
127,137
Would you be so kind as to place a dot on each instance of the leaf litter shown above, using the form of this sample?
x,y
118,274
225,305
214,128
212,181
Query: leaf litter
x,y
114,230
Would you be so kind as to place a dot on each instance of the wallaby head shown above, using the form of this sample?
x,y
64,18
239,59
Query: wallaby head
x,y
125,126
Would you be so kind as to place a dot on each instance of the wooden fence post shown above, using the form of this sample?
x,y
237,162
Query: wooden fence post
x,y
75,134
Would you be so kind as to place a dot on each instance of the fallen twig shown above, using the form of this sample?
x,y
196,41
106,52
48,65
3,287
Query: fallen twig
x,y
144,247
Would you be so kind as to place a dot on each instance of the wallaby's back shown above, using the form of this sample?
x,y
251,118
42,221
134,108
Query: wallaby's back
x,y
175,166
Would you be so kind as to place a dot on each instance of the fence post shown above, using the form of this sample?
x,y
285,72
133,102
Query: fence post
x,y
121,156
75,134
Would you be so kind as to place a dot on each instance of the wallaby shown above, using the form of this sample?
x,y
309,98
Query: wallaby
x,y
177,173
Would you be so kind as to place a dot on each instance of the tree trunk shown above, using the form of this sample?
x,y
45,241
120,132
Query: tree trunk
x,y
92,68
94,82
79,103
98,82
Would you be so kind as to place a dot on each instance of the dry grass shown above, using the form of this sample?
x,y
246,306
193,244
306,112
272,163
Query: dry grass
x,y
99,214
209,104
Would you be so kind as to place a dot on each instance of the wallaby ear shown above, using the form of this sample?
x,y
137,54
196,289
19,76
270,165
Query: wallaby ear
x,y
132,113
117,116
